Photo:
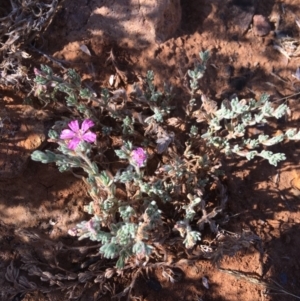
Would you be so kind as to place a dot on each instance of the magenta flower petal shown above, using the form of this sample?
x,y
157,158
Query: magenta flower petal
x,y
139,156
89,137
74,125
86,124
75,135
73,143
67,134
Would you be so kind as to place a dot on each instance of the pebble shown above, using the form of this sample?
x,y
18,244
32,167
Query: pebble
x,y
261,26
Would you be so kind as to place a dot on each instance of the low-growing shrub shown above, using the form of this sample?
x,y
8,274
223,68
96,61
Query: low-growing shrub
x,y
165,164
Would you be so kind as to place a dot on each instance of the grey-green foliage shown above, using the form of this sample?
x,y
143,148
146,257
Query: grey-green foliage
x,y
158,102
128,238
129,235
48,84
199,70
194,131
76,96
131,225
227,127
124,152
151,93
195,75
128,125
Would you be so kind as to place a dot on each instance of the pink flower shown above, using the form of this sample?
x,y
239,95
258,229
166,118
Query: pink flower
x,y
139,156
90,226
73,232
77,135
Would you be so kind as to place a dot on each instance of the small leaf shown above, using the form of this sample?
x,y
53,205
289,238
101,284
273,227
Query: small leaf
x,y
251,155
292,135
204,55
84,49
205,282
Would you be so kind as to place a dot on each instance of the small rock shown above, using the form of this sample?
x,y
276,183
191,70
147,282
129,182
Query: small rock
x,y
261,26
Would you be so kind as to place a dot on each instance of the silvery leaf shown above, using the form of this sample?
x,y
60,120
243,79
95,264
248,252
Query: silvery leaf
x,y
205,282
84,49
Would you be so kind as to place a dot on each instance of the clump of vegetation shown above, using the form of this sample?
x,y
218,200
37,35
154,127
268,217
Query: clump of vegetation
x,y
165,183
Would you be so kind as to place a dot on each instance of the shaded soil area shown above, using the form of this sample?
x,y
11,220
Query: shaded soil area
x,y
38,204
